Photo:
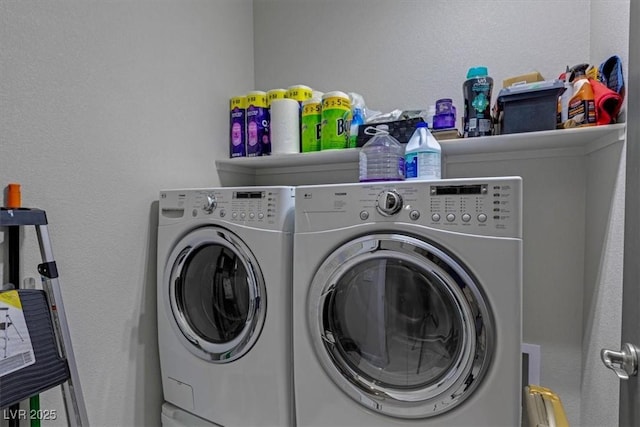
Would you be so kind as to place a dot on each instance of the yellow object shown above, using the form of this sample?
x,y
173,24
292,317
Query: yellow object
x,y
274,94
543,407
299,92
592,73
11,298
257,98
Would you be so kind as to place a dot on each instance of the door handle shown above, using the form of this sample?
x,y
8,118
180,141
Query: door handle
x,y
624,362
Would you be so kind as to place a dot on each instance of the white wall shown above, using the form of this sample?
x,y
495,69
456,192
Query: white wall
x,y
602,286
407,54
102,104
610,34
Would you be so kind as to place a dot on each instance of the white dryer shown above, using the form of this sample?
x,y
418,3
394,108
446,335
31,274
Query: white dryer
x,y
407,303
224,304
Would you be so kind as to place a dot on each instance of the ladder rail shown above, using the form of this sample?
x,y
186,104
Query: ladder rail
x,y
71,390
13,218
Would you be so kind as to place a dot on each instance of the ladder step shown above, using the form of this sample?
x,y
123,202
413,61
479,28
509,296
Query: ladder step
x,y
49,370
22,216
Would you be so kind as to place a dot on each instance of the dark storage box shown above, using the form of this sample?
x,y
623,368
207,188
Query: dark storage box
x,y
529,107
399,129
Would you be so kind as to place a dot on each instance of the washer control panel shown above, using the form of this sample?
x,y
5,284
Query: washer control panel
x,y
262,207
484,206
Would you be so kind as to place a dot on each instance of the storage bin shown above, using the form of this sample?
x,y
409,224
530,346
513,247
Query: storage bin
x,y
529,107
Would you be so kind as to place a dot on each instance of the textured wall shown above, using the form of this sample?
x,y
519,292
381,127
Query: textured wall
x,y
102,104
407,54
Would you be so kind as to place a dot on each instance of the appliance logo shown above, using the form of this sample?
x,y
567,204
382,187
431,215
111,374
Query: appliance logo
x,y
340,194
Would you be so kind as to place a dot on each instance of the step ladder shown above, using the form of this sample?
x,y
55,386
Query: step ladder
x,y
46,322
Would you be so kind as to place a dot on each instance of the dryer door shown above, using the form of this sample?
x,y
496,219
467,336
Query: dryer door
x,y
400,325
215,294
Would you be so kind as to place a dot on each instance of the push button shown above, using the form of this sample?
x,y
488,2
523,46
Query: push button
x,y
435,217
451,217
466,217
482,217
414,215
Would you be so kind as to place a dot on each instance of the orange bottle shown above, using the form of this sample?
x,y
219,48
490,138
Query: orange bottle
x,y
582,105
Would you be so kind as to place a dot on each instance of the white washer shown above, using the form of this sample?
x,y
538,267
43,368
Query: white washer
x,y
407,303
224,304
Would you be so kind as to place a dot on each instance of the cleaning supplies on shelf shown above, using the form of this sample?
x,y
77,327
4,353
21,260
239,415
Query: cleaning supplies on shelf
x,y
582,109
237,127
258,142
565,97
357,119
445,114
382,157
423,155
477,102
311,123
336,117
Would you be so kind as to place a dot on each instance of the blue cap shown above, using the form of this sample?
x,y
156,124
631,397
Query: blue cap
x,y
477,72
421,125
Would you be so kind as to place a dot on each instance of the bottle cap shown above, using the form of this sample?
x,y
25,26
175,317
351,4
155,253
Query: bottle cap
x,y
421,125
577,71
14,199
477,72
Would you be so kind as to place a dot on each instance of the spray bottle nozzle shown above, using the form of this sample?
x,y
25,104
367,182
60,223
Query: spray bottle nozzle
x,y
577,71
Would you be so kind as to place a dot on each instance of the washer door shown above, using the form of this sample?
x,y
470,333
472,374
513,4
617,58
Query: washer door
x,y
400,326
216,298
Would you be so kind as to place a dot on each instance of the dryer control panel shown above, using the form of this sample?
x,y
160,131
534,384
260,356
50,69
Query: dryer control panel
x,y
260,207
483,206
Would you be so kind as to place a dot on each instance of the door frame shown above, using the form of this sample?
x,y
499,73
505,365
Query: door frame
x,y
630,389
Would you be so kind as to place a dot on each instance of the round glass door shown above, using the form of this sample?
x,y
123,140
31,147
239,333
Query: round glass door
x,y
400,325
216,294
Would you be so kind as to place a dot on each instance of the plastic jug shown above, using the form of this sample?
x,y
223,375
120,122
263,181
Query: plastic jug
x,y
382,157
423,155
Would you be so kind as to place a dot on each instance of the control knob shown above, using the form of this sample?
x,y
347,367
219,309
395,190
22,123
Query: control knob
x,y
210,203
389,202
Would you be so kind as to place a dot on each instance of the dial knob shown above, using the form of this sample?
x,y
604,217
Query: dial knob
x,y
389,202
210,203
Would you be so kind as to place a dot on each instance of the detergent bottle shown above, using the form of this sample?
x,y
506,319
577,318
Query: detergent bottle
x,y
582,106
477,102
423,154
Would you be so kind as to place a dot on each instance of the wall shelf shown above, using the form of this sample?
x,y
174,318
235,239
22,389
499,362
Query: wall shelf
x,y
341,165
